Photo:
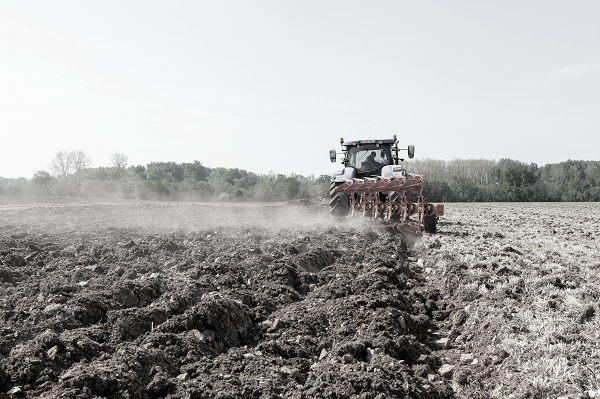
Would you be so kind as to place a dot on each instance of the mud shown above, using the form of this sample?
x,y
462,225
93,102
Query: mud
x,y
189,301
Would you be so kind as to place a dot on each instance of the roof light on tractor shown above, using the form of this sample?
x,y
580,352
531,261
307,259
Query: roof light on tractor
x,y
373,184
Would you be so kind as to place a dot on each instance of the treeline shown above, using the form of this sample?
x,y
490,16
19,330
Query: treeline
x,y
459,180
482,180
168,181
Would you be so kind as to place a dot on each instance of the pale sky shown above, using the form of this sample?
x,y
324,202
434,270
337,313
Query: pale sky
x,y
273,85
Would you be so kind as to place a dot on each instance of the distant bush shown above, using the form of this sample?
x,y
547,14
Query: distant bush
x,y
276,188
193,190
94,188
314,187
157,189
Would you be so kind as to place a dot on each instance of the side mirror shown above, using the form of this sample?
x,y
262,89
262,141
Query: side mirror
x,y
411,151
332,155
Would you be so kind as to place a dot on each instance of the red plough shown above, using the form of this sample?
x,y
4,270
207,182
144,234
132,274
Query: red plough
x,y
381,197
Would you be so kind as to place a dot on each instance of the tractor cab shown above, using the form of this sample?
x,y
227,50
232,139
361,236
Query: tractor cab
x,y
368,158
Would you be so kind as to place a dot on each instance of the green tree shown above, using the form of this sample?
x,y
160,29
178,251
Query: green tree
x,y
518,183
41,179
593,178
167,171
232,184
290,186
194,171
313,187
491,193
137,172
438,191
465,189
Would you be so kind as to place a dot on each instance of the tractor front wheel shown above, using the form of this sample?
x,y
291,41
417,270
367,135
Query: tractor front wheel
x,y
339,203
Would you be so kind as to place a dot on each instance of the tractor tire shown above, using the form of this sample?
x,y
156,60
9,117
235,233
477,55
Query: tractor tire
x,y
339,203
430,224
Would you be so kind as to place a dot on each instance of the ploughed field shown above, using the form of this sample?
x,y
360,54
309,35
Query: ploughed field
x,y
280,301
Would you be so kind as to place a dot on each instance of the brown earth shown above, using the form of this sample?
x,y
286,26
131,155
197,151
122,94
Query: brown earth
x,y
224,301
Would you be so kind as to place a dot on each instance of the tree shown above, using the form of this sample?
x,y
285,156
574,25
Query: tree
x,y
497,176
594,178
230,181
438,191
194,171
168,171
61,165
138,172
518,183
519,176
41,178
80,161
66,163
465,189
288,187
119,160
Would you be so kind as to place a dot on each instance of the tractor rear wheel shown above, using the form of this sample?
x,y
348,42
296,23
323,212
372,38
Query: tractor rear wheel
x,y
339,203
430,223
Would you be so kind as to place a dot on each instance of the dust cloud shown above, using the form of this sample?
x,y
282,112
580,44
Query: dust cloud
x,y
161,218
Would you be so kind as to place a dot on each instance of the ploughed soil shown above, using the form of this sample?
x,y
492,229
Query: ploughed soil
x,y
223,301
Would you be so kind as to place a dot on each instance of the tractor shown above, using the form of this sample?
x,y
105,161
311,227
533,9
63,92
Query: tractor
x,y
373,183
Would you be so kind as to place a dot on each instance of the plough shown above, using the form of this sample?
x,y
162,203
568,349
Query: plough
x,y
383,197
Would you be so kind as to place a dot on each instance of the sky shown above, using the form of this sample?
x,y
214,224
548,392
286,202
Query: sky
x,y
273,85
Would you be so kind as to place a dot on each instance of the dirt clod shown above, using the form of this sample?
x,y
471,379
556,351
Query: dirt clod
x,y
446,371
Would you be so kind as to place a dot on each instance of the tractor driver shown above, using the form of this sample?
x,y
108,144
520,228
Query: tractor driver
x,y
370,163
